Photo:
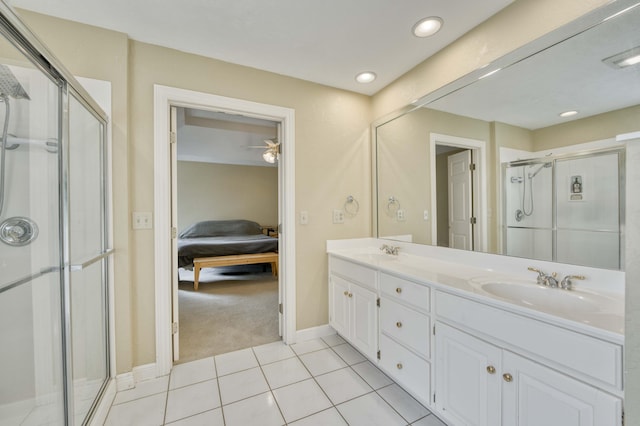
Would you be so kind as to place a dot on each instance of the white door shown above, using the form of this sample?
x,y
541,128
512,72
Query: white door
x,y
173,130
363,319
468,378
281,265
460,201
538,396
339,305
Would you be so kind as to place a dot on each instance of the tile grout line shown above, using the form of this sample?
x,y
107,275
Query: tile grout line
x,y
269,385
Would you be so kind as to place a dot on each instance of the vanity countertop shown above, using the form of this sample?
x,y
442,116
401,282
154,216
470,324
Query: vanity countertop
x,y
586,310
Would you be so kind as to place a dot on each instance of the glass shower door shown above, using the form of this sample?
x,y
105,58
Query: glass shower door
x,y
88,256
31,350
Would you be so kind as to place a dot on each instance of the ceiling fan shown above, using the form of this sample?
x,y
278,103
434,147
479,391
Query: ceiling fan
x,y
272,150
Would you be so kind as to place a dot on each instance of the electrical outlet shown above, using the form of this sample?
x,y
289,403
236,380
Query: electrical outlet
x,y
400,215
142,220
425,215
338,216
304,217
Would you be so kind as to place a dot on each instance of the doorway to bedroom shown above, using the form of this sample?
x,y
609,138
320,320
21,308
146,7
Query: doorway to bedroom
x,y
226,212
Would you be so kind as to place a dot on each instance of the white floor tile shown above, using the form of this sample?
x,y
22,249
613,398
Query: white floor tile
x,y
272,352
370,410
209,418
144,411
430,420
403,403
343,385
142,389
194,399
233,362
372,375
308,346
192,372
329,417
322,361
333,340
258,410
301,400
237,386
285,372
349,354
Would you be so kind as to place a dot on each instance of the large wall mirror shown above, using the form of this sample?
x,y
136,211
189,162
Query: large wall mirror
x,y
523,157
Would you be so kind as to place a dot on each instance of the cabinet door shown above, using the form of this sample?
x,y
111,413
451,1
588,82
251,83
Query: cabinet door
x,y
468,380
539,396
364,322
339,305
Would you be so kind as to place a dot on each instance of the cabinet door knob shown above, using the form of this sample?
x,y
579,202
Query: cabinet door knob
x,y
399,366
507,377
398,290
399,324
346,293
350,294
491,369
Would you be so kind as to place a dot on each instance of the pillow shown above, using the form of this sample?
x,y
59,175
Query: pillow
x,y
221,228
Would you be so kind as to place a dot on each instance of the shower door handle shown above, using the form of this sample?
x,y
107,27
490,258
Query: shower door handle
x,y
80,266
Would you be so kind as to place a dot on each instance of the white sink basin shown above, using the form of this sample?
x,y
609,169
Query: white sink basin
x,y
374,257
545,298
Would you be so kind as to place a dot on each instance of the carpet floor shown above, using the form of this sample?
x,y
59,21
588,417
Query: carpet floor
x,y
235,307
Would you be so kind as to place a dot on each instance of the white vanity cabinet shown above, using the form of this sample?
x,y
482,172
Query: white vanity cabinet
x,y
353,310
482,383
405,334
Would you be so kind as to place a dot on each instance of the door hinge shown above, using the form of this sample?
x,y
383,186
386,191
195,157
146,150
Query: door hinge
x,y
174,232
174,328
473,220
280,308
378,354
172,137
378,302
434,329
472,166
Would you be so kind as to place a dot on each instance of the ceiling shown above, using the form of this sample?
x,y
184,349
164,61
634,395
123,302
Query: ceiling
x,y
326,42
568,76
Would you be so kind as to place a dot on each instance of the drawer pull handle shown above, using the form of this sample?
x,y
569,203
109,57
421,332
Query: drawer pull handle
x,y
507,377
398,290
346,293
350,294
399,324
399,366
491,369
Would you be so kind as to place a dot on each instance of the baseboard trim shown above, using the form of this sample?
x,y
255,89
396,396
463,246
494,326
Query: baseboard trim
x,y
314,333
125,381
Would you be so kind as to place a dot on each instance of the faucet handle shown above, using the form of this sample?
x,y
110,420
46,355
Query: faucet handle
x,y
542,277
566,283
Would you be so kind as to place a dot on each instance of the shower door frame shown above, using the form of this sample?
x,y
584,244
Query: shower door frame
x,y
616,149
20,36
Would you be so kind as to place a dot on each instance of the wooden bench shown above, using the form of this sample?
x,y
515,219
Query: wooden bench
x,y
236,259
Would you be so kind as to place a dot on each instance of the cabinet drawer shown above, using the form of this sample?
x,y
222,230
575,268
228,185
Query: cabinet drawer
x,y
407,369
357,273
414,294
405,325
594,360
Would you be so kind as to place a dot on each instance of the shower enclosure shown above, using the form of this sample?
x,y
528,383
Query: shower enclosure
x,y
566,209
54,347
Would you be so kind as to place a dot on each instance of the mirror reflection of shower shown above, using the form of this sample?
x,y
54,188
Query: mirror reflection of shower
x,y
523,211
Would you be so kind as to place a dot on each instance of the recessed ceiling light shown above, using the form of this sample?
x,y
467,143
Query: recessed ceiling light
x,y
568,114
624,59
366,77
427,27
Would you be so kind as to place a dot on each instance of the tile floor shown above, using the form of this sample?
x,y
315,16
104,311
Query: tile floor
x,y
320,382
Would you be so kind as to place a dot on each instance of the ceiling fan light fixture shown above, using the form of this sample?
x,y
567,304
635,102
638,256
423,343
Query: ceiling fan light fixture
x,y
366,77
270,155
427,27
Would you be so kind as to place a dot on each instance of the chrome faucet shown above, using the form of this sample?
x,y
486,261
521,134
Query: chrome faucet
x,y
544,279
390,249
566,283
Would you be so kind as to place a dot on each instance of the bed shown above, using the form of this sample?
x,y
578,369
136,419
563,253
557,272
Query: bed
x,y
225,242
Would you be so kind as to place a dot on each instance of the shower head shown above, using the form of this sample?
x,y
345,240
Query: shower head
x,y
9,84
542,166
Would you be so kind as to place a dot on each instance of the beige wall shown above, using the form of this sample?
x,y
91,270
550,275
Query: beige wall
x,y
208,191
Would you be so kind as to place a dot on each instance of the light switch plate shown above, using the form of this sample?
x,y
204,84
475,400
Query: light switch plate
x,y
142,220
304,217
338,216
